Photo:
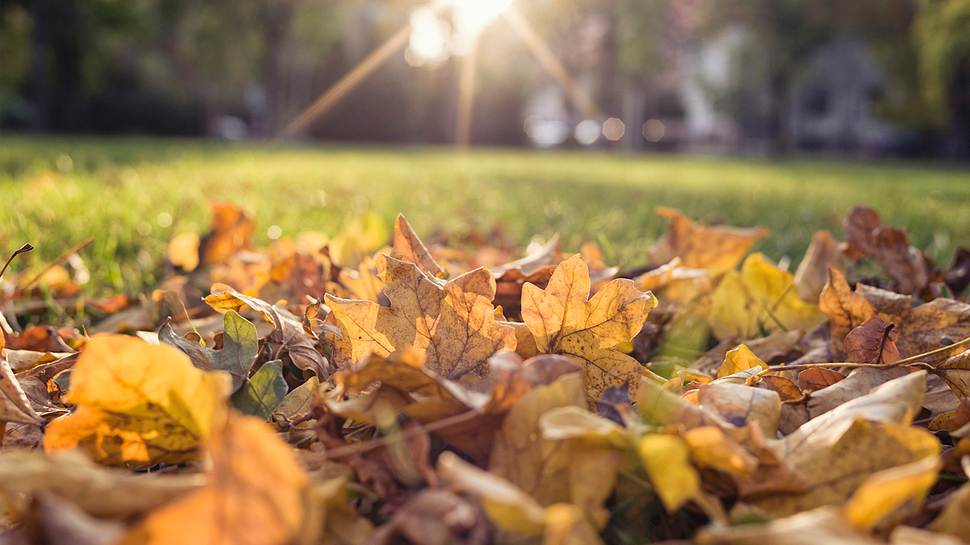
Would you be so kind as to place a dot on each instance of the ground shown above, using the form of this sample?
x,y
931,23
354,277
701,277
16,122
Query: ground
x,y
132,195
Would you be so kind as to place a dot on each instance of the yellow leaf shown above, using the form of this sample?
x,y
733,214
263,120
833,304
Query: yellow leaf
x,y
566,525
564,322
508,506
358,239
183,251
232,230
138,403
886,491
666,459
455,324
408,247
760,299
564,467
716,249
739,359
711,447
255,494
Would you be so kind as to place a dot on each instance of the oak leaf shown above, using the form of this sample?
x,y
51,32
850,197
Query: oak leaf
x,y
757,300
138,403
889,247
454,324
563,321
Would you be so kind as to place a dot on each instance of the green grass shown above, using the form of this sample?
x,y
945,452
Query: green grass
x,y
58,192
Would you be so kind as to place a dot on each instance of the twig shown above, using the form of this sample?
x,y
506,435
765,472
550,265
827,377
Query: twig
x,y
364,446
22,250
912,361
63,257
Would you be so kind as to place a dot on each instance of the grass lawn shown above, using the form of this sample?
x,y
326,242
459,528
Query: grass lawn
x,y
132,195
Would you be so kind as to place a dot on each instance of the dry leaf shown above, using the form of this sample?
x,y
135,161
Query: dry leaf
x,y
716,249
98,491
408,247
255,494
14,405
666,459
812,273
872,342
139,403
455,324
817,527
889,247
888,490
739,359
758,300
563,321
231,231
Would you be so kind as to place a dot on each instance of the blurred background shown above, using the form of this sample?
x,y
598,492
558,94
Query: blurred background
x,y
860,78
122,120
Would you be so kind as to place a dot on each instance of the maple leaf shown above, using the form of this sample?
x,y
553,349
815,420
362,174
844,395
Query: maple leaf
x,y
453,323
563,321
408,247
761,298
138,403
255,494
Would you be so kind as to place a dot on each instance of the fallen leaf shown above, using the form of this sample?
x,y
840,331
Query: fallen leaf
x,y
455,324
955,370
263,392
812,273
98,491
559,468
958,277
231,231
818,526
818,378
716,249
743,405
710,447
14,405
888,490
666,459
872,342
288,336
138,403
255,494
845,309
758,300
563,321
889,247
954,520
740,359
408,247
183,251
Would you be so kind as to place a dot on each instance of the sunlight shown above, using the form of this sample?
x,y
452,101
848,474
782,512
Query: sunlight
x,y
471,18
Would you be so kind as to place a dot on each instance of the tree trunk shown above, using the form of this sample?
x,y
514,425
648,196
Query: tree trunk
x,y
778,133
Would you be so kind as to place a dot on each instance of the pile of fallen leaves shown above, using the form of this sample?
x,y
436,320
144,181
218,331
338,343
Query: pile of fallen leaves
x,y
332,390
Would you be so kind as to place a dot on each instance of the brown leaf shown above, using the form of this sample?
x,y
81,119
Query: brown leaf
x,y
812,273
958,277
955,370
454,324
563,321
408,247
817,378
889,247
716,249
435,517
14,405
231,231
872,342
